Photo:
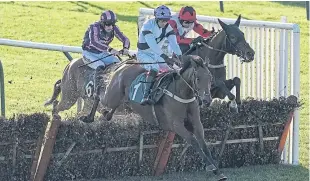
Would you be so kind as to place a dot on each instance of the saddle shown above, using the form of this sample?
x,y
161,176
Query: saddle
x,y
162,81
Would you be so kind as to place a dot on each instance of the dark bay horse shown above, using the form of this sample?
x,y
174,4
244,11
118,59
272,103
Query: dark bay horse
x,y
177,104
230,40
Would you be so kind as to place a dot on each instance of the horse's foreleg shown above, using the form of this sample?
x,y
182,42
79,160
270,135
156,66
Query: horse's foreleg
x,y
234,82
90,117
220,90
194,118
191,139
87,105
235,103
237,83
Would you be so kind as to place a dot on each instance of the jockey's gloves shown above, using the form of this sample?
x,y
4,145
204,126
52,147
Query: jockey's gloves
x,y
114,52
164,56
125,51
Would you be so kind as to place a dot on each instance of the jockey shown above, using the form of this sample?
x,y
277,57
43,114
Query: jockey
x,y
151,38
96,43
185,22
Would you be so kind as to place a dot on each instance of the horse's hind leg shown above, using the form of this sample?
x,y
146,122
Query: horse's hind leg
x,y
56,92
68,99
112,100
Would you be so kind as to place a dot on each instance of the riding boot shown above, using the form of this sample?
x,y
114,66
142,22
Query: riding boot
x,y
98,79
98,84
149,79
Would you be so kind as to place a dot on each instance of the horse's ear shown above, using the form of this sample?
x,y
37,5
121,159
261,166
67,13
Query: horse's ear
x,y
237,23
223,25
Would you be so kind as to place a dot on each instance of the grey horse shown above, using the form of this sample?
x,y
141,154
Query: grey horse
x,y
175,104
77,82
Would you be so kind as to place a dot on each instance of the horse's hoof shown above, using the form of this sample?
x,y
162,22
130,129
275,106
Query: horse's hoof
x,y
105,113
86,119
108,116
222,177
210,168
233,110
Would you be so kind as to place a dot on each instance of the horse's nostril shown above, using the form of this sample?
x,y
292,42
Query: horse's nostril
x,y
249,54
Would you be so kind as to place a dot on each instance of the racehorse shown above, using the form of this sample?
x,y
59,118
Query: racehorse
x,y
77,82
175,95
230,40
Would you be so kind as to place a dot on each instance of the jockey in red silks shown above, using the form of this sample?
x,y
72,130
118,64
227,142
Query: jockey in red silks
x,y
96,44
185,22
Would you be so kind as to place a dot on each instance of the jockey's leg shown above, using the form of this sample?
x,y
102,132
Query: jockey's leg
x,y
99,67
111,59
98,79
149,79
147,57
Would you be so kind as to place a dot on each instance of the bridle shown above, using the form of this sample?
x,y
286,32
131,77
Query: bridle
x,y
193,88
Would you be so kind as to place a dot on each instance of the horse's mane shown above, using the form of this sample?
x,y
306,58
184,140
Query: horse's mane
x,y
213,35
187,62
207,41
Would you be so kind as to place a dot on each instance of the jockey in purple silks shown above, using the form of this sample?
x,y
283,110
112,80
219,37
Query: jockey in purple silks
x,y
96,44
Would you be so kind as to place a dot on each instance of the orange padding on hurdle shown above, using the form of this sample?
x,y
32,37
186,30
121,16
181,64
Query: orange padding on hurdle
x,y
285,133
163,153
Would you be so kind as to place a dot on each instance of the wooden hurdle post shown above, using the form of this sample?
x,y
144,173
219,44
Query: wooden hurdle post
x,y
42,157
285,133
163,153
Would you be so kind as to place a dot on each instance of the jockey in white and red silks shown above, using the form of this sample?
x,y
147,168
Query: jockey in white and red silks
x,y
184,23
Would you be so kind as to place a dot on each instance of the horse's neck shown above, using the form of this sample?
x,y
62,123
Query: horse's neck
x,y
217,57
182,88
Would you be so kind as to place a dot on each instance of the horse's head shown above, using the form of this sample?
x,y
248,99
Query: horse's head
x,y
235,41
198,76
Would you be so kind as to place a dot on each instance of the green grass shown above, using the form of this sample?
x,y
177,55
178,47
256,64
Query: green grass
x,y
33,72
253,173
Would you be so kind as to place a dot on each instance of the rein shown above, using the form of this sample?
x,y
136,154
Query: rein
x,y
177,98
235,51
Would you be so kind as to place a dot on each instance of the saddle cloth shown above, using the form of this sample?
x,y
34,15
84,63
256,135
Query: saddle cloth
x,y
161,82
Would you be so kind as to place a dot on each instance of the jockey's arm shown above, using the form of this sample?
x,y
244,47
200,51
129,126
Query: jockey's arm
x,y
121,37
173,41
150,40
95,40
180,39
198,28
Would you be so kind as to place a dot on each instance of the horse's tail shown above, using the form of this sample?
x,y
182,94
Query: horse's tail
x,y
57,90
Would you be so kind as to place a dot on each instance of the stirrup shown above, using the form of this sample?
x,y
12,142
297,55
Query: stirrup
x,y
146,101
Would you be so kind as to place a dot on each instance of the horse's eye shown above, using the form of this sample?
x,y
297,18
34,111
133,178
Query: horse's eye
x,y
233,38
